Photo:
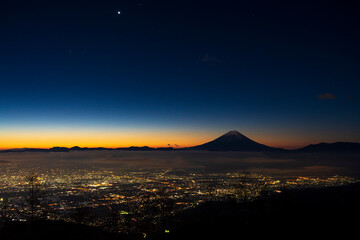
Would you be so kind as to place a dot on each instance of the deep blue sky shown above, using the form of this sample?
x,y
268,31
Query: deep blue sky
x,y
270,69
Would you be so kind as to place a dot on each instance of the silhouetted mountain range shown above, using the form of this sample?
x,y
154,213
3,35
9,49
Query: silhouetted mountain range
x,y
230,141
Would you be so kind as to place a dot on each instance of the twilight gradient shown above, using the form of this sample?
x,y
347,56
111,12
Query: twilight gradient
x,y
178,72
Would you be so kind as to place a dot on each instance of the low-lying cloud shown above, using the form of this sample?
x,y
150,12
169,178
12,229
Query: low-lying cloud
x,y
274,164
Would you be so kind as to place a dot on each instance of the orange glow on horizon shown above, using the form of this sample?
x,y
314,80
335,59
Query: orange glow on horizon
x,y
109,139
42,138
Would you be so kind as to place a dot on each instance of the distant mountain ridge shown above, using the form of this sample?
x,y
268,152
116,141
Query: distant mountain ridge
x,y
76,148
230,141
332,147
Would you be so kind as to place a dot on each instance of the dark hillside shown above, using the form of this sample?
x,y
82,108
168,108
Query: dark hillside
x,y
317,213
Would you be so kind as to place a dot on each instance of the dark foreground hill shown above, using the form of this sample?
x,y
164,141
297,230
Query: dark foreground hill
x,y
311,213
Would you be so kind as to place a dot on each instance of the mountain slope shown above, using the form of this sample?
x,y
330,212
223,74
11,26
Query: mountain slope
x,y
332,147
234,141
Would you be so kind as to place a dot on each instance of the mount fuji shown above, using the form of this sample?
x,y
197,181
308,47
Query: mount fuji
x,y
234,141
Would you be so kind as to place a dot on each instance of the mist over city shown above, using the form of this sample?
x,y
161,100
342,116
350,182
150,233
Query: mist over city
x,y
265,163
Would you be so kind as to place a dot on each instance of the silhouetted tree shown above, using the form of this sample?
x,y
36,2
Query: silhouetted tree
x,y
34,194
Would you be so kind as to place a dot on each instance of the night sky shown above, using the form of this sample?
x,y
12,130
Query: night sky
x,y
284,73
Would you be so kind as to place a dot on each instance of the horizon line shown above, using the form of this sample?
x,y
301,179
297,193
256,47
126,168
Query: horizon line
x,y
174,146
145,146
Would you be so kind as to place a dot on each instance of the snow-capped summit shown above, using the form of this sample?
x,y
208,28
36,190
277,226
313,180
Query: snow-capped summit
x,y
233,135
232,132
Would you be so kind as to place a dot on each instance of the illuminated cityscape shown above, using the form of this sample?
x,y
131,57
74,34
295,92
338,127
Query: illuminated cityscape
x,y
93,196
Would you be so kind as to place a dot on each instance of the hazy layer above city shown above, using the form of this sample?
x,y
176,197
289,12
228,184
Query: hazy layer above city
x,y
263,163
